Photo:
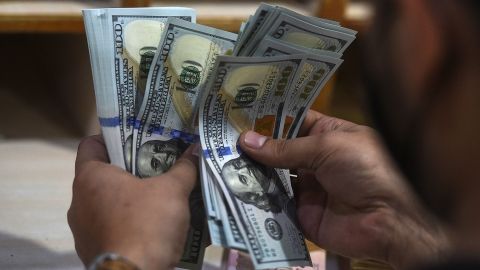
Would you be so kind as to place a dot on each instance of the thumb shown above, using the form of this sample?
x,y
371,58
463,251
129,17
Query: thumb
x,y
90,149
296,153
184,172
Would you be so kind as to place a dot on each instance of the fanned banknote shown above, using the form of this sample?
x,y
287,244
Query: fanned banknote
x,y
255,194
316,70
222,225
316,60
166,123
258,91
166,120
122,43
233,236
284,24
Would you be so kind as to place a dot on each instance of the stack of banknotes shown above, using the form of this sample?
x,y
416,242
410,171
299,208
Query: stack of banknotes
x,y
163,82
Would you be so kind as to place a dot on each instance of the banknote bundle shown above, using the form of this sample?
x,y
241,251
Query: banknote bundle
x,y
123,45
280,63
163,83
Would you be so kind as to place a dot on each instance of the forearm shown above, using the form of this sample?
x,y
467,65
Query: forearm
x,y
417,241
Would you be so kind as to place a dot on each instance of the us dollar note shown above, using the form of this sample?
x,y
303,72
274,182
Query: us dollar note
x,y
128,42
315,71
251,27
100,58
222,226
166,122
215,226
307,35
259,202
233,236
273,47
211,206
325,23
253,92
306,91
301,32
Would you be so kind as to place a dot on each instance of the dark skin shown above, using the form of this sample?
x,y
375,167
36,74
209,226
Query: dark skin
x,y
350,197
113,211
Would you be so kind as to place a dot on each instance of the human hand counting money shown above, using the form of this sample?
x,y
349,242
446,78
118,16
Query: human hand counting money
x,y
350,197
112,211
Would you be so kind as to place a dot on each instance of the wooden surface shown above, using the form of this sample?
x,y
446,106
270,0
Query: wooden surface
x,y
42,16
332,9
65,16
135,3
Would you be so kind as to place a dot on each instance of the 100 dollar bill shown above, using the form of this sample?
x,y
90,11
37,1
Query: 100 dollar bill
x,y
122,42
166,124
260,204
284,24
302,33
316,70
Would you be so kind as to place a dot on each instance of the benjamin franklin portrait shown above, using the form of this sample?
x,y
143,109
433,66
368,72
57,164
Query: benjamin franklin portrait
x,y
255,184
156,157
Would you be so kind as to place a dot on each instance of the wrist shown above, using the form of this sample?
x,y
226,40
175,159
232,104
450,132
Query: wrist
x,y
416,243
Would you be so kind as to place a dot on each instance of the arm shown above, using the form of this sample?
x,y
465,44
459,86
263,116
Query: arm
x,y
113,211
351,199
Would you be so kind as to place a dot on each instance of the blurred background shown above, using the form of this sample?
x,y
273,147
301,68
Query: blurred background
x,y
48,104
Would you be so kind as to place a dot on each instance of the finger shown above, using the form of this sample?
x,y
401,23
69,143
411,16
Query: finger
x,y
311,200
296,153
91,149
316,122
309,121
184,171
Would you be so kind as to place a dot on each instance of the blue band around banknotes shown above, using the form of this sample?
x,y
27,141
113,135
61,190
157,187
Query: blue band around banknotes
x,y
109,122
114,121
223,151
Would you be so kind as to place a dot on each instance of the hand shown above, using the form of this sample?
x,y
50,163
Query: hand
x,y
350,197
145,221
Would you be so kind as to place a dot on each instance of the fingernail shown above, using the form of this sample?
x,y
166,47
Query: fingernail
x,y
254,140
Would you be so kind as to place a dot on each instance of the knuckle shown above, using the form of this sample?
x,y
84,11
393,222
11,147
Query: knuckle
x,y
280,147
178,184
86,177
332,140
80,177
70,216
330,144
367,130
186,164
86,141
184,168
